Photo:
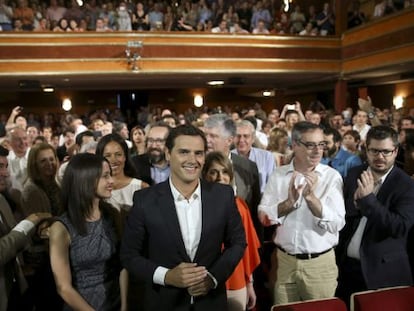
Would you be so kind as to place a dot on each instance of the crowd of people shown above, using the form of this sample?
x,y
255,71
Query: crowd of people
x,y
241,16
97,213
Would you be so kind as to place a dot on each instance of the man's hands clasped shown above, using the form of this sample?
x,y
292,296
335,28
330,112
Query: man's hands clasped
x,y
189,275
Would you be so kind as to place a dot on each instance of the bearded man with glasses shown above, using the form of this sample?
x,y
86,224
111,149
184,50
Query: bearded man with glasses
x,y
305,200
379,201
152,166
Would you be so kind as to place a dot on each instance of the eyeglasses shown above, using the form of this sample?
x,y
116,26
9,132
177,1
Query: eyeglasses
x,y
313,146
384,152
157,141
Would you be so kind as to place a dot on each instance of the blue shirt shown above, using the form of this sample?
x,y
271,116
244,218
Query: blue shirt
x,y
265,164
343,161
159,175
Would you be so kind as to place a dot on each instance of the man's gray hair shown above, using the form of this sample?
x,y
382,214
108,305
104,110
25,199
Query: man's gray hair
x,y
247,123
303,127
223,122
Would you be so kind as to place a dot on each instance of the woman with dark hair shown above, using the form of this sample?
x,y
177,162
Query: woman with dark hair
x,y
84,240
137,137
113,148
41,193
240,291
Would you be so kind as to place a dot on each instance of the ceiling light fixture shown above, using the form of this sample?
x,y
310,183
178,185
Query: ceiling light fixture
x,y
48,89
215,82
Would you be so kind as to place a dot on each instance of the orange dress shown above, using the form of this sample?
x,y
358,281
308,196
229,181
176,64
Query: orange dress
x,y
251,258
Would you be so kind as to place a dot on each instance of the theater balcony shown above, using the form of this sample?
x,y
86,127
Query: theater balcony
x,y
378,53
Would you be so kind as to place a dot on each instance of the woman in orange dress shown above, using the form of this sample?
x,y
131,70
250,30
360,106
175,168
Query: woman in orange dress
x,y
240,291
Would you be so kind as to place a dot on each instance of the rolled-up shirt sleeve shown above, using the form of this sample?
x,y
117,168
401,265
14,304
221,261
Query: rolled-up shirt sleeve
x,y
332,201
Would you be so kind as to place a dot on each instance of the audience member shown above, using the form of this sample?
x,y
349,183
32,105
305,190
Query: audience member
x,y
74,11
6,16
243,141
306,199
121,128
297,21
209,247
16,119
337,157
32,132
137,137
355,16
155,18
87,232
55,12
221,28
260,13
240,291
361,124
278,146
41,194
220,131
140,18
114,149
18,156
69,141
350,141
326,20
260,28
372,251
152,167
124,22
14,239
25,14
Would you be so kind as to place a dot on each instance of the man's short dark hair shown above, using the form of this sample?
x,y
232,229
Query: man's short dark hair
x,y
335,134
187,130
301,128
382,132
79,137
3,151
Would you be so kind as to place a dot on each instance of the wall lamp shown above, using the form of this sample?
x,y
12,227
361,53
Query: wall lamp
x,y
398,102
133,54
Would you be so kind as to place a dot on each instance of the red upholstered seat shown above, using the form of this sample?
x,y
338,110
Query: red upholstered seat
x,y
386,299
330,304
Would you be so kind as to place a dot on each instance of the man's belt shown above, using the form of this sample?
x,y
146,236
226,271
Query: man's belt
x,y
304,256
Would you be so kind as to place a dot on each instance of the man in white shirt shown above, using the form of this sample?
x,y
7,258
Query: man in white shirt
x,y
17,157
361,124
305,200
184,236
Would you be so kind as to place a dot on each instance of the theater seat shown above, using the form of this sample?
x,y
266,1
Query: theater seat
x,y
329,304
386,299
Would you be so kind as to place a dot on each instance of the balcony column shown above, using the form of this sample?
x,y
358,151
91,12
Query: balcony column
x,y
341,94
341,16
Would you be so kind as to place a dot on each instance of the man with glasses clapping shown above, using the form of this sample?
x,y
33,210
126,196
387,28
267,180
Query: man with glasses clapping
x,y
379,199
305,200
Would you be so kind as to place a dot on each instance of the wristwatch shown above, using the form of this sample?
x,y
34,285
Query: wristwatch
x,y
371,114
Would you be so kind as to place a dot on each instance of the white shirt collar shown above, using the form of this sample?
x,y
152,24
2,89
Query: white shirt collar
x,y
177,194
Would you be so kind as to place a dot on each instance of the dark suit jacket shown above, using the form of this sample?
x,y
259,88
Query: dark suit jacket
x,y
11,243
142,166
390,215
152,238
246,176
